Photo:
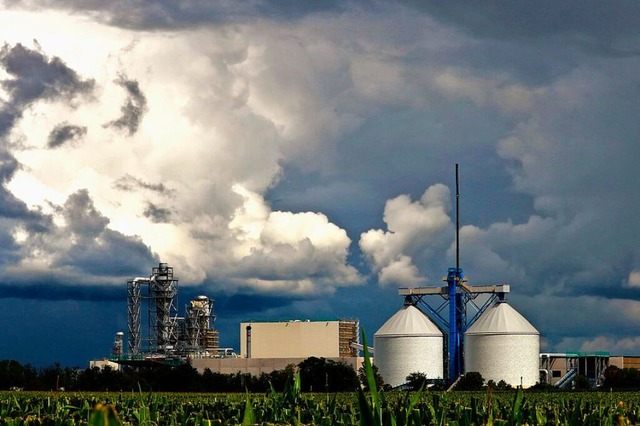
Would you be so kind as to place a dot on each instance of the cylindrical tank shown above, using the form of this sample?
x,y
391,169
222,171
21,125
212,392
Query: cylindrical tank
x,y
503,345
409,342
118,344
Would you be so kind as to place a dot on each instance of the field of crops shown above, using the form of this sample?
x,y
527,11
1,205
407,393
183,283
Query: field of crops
x,y
456,408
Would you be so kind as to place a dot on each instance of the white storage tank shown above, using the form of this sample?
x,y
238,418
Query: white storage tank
x,y
503,345
408,342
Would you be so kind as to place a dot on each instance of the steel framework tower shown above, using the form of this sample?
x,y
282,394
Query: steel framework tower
x,y
163,291
198,319
133,314
167,338
161,294
459,297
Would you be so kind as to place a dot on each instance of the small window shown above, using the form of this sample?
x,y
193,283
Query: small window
x,y
556,373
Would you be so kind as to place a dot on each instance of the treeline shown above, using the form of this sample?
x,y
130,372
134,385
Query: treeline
x,y
621,378
317,375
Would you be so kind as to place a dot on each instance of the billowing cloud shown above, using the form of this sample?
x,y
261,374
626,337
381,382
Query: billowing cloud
x,y
192,196
33,75
78,249
414,229
282,151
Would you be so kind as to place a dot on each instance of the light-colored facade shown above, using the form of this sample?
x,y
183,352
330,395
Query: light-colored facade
x,y
560,369
625,361
298,339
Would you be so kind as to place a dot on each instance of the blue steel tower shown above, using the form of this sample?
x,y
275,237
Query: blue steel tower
x,y
459,297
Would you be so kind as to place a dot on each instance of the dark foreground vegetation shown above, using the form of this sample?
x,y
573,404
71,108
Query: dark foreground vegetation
x,y
513,407
318,374
366,404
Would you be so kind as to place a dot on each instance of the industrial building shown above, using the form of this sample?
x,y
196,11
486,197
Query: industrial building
x,y
467,328
484,333
168,338
298,339
489,337
560,369
266,346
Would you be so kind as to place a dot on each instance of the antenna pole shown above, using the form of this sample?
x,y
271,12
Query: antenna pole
x,y
457,320
457,221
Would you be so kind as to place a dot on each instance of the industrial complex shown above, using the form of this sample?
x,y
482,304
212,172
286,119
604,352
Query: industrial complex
x,y
168,338
490,337
441,332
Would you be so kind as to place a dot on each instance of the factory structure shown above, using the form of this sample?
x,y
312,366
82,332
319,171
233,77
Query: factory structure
x,y
484,333
167,337
299,339
157,335
481,333
442,332
266,346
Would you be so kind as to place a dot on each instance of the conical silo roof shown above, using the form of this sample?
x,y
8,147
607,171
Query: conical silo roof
x,y
408,321
501,318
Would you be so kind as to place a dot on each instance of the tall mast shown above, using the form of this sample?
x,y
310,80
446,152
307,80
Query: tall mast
x,y
457,221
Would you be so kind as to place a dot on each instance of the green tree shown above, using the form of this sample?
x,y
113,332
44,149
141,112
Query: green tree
x,y
362,376
501,385
581,382
416,380
322,375
471,381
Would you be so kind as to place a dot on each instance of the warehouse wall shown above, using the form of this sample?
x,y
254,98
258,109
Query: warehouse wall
x,y
291,339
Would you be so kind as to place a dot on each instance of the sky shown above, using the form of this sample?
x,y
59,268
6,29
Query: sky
x,y
296,160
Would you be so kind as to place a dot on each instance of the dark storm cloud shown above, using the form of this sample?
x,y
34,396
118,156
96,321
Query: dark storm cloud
x,y
608,28
133,109
186,13
65,133
97,250
35,76
157,214
251,303
56,289
113,254
131,183
11,207
82,217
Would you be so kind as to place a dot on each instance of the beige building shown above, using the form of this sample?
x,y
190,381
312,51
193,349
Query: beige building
x,y
625,361
270,346
559,369
298,339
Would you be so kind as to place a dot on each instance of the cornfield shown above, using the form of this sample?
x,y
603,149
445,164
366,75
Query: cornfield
x,y
292,407
392,408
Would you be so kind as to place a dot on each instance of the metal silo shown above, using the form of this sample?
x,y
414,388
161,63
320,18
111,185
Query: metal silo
x,y
503,345
408,342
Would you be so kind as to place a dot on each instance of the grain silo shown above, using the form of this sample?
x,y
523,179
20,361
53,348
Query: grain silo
x,y
408,342
503,345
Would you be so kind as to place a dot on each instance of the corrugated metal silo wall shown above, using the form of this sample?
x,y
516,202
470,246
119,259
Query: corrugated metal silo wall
x,y
397,357
508,357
